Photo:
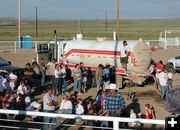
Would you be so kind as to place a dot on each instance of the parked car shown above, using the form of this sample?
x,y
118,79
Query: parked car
x,y
174,63
6,66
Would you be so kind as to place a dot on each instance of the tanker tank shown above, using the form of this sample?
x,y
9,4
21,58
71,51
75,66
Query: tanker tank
x,y
93,53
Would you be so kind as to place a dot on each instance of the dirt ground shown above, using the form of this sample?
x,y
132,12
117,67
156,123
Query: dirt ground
x,y
147,94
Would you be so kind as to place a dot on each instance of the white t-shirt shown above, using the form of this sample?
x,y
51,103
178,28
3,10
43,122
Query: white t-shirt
x,y
124,50
46,100
21,89
79,109
163,77
63,72
50,68
132,124
12,76
57,73
66,104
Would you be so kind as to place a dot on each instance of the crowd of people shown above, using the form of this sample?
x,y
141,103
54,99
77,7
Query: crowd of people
x,y
108,102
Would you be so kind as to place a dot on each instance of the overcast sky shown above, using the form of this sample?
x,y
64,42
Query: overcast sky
x,y
91,9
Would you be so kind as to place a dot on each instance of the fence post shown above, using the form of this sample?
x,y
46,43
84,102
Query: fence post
x,y
15,46
115,125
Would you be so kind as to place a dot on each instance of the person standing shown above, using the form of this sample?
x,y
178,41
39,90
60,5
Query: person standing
x,y
99,74
124,53
76,73
51,68
170,78
57,81
43,72
83,77
106,76
63,79
49,104
162,79
114,102
28,73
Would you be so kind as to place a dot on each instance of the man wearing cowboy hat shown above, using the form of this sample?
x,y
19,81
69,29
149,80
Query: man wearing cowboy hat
x,y
114,102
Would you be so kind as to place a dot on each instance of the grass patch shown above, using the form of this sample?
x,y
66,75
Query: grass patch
x,y
129,29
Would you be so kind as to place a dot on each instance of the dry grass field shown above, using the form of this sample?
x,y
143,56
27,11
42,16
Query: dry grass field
x,y
129,28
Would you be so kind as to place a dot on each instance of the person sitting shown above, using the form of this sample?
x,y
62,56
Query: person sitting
x,y
133,115
66,106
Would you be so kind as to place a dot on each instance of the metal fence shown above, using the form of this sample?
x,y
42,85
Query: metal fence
x,y
12,46
115,120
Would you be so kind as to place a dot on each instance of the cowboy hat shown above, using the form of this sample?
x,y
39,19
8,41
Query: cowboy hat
x,y
112,86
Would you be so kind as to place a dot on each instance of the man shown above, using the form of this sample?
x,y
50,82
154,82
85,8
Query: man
x,y
84,77
51,68
106,76
162,79
43,71
49,104
99,75
28,73
114,102
124,53
57,80
76,73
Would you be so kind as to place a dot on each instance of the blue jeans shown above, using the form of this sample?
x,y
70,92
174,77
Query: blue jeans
x,y
164,91
57,86
43,75
64,87
49,120
77,86
66,111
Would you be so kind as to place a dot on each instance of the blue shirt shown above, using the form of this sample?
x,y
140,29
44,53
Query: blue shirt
x,y
113,103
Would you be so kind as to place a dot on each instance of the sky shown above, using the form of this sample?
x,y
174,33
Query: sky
x,y
91,9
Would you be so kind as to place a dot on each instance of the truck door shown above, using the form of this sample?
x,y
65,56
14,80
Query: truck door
x,y
42,51
61,51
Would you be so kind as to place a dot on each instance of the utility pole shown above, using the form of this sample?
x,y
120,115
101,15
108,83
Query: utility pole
x,y
78,25
117,34
106,20
19,23
117,20
36,22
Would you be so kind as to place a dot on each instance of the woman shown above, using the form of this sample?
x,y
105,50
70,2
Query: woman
x,y
66,106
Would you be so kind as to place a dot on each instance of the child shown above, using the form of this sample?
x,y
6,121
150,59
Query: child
x,y
133,115
149,112
79,109
91,112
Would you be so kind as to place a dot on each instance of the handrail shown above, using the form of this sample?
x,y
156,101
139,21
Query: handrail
x,y
115,120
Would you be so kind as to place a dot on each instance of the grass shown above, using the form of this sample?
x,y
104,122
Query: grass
x,y
129,29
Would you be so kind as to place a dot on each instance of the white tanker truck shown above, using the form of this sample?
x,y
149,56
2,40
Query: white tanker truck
x,y
100,51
